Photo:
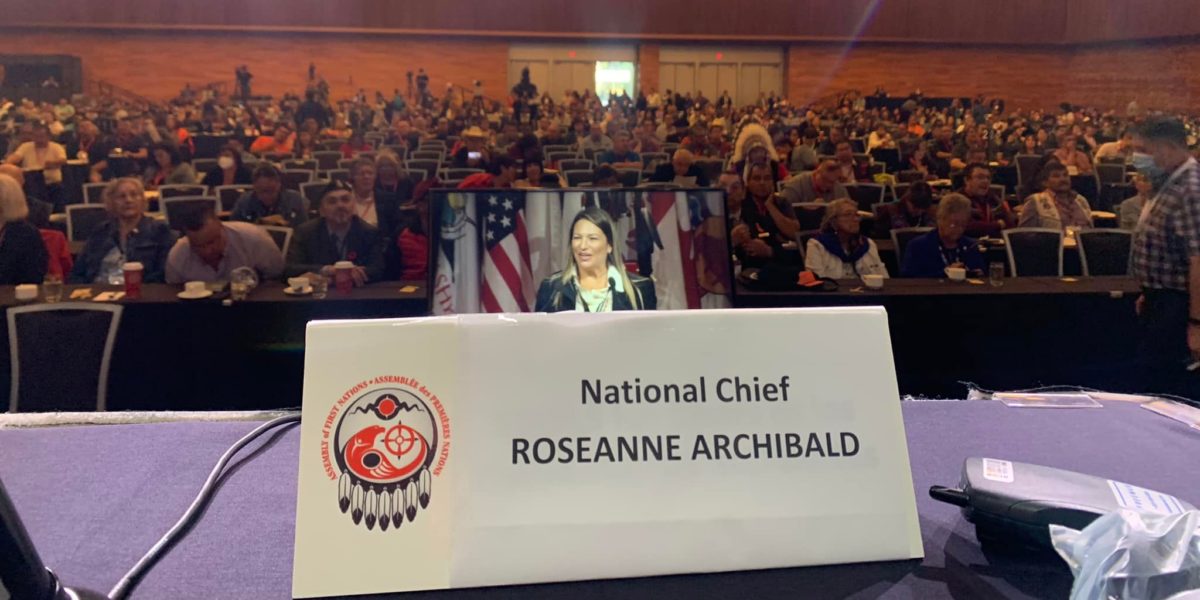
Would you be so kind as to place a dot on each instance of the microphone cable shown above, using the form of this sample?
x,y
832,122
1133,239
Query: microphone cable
x,y
131,579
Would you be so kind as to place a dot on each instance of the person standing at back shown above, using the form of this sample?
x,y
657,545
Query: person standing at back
x,y
1166,260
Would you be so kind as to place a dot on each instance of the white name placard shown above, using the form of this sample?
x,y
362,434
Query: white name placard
x,y
502,449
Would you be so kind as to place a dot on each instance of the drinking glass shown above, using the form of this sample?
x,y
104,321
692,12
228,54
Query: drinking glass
x,y
996,274
320,286
52,288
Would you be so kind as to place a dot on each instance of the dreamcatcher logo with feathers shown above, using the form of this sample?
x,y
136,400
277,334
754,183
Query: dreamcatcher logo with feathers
x,y
385,443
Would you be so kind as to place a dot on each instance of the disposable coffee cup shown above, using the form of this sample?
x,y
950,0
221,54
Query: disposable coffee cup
x,y
342,277
133,279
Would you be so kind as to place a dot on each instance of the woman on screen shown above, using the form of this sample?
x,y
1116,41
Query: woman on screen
x,y
595,280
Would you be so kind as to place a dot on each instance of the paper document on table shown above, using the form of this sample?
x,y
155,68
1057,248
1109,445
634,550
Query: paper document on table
x,y
1059,400
1175,410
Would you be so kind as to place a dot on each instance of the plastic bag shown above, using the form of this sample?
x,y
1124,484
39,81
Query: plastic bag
x,y
1132,555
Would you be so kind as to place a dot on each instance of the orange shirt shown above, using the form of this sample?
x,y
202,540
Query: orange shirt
x,y
267,143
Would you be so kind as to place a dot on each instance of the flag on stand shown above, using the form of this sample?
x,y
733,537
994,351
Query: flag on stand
x,y
456,281
508,284
673,265
543,221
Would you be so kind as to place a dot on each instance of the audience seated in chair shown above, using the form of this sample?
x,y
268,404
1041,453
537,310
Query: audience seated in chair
x,y
1131,208
931,254
915,208
230,170
210,250
840,251
280,141
23,256
683,170
338,234
269,203
1057,206
128,236
763,224
168,168
990,214
821,185
502,173
620,156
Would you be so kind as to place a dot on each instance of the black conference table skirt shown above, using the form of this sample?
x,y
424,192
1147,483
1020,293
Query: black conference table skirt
x,y
200,355
131,482
173,354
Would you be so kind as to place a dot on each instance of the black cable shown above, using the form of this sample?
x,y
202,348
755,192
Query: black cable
x,y
125,586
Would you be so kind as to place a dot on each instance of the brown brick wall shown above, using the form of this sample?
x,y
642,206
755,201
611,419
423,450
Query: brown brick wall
x,y
157,65
647,67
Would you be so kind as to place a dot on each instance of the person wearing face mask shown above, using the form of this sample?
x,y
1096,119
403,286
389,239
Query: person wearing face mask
x,y
338,234
595,279
1166,260
229,170
128,236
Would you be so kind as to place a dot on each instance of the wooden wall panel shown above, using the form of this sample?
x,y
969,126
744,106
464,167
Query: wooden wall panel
x,y
157,65
1012,21
1022,77
1159,76
647,66
1108,20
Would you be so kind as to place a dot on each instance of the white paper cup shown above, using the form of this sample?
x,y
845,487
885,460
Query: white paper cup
x,y
873,281
956,273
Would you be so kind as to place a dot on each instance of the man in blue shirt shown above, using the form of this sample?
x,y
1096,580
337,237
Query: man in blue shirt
x,y
945,246
620,156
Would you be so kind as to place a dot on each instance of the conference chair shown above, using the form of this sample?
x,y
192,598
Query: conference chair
x,y
858,145
902,236
651,160
899,190
883,212
459,173
629,177
1104,251
558,156
809,214
909,176
311,190
1034,251
1110,172
865,195
375,138
338,174
345,163
887,156
433,155
1027,168
1086,186
83,219
282,236
549,149
229,194
277,157
589,153
711,168
330,146
576,164
398,150
429,166
327,159
802,238
93,193
309,164
659,185
431,144
416,175
60,355
174,208
368,154
292,178
178,190
875,168
449,183
670,148
1006,175
1112,195
204,165
576,178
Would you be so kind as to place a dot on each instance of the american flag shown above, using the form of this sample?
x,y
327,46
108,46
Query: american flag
x,y
507,277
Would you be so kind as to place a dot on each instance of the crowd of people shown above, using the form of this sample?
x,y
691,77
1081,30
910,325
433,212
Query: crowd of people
x,y
773,154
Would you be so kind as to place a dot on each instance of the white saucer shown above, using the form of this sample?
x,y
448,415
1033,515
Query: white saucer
x,y
197,296
304,291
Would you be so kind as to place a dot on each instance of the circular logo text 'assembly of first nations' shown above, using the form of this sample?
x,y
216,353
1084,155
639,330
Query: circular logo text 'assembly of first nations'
x,y
386,444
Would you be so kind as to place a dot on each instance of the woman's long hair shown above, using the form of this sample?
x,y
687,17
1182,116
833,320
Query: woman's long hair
x,y
599,218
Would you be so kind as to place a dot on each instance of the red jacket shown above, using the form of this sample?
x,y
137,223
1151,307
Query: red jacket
x,y
59,252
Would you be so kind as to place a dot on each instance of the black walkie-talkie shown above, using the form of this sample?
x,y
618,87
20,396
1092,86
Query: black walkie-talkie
x,y
1014,504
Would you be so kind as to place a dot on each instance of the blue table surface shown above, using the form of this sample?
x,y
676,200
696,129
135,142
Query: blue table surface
x,y
95,498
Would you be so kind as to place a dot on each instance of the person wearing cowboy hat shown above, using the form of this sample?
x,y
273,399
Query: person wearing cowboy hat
x,y
473,153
